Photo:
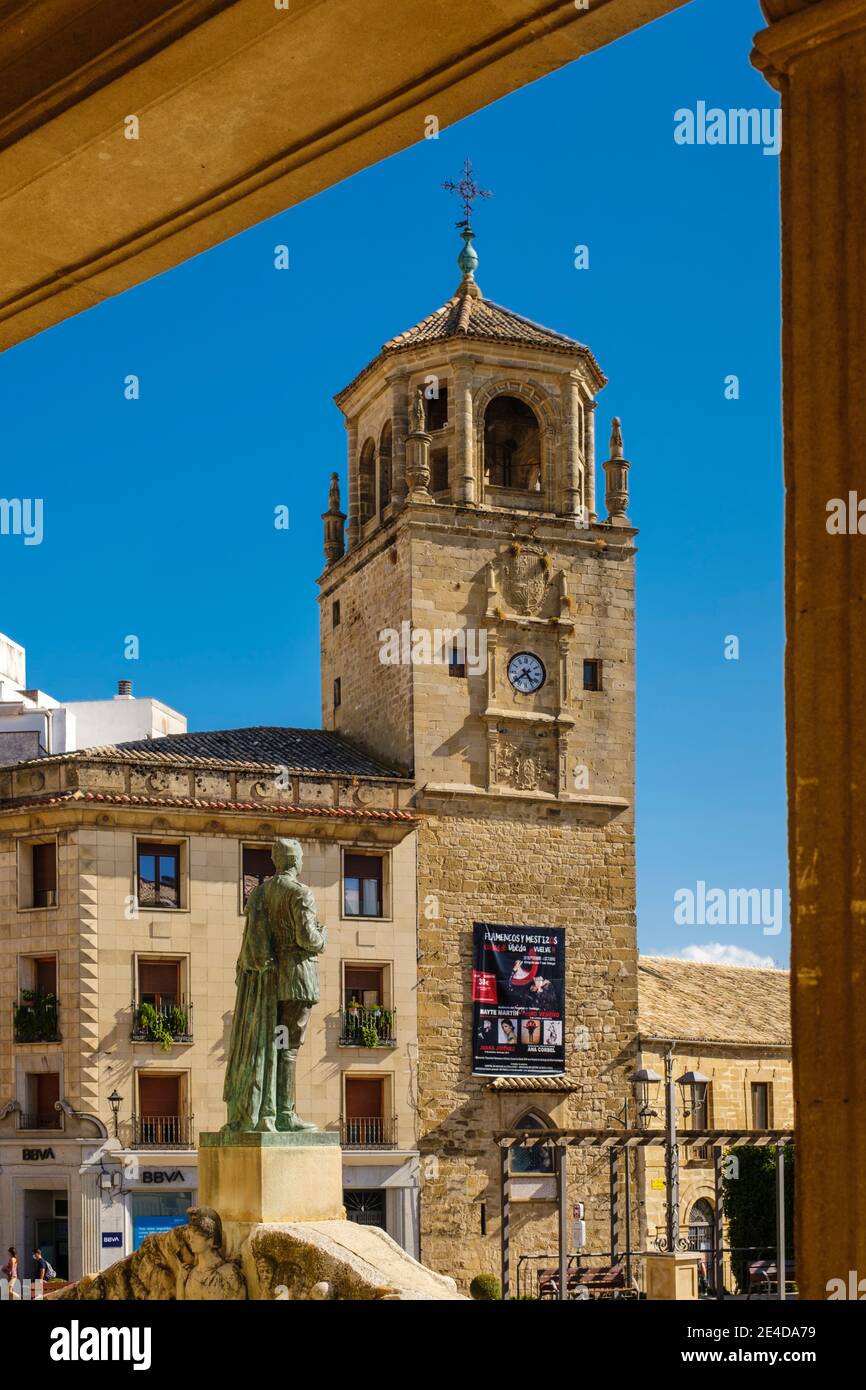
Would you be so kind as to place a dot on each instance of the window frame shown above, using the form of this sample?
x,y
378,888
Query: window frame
x,y
181,843
386,904
768,1103
25,885
244,845
598,665
544,1123
385,973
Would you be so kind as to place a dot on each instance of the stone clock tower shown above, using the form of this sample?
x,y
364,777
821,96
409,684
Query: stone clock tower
x,y
477,629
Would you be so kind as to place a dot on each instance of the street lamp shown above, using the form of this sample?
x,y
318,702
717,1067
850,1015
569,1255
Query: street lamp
x,y
115,1101
693,1089
644,1085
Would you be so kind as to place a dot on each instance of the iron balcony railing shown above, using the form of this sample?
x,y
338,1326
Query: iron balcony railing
x,y
374,1027
53,1120
35,1018
160,1132
163,1024
371,1132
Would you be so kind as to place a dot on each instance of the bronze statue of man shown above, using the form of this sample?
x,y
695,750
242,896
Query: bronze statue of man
x,y
277,985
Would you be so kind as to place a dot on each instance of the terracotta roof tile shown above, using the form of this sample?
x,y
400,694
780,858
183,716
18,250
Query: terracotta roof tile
x,y
683,1000
268,810
467,315
314,751
531,1083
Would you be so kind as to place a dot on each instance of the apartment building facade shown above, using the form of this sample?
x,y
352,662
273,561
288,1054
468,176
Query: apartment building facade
x,y
123,878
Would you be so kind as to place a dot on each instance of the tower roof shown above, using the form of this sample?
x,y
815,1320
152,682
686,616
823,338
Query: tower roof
x,y
471,316
468,315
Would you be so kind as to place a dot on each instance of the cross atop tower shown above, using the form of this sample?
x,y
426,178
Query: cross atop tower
x,y
467,190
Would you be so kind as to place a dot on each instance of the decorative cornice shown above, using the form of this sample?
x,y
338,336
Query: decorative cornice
x,y
799,28
532,1083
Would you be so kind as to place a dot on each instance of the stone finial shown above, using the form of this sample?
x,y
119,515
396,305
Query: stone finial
x,y
468,263
335,522
616,438
418,413
418,451
616,478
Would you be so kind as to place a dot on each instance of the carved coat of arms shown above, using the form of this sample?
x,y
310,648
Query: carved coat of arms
x,y
523,767
525,580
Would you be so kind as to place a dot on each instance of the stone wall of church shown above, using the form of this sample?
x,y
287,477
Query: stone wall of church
x,y
372,585
510,863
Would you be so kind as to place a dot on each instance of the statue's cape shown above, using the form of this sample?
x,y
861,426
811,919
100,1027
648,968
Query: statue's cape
x,y
254,1022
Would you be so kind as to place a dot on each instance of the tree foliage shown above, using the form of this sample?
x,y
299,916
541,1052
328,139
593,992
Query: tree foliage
x,y
750,1207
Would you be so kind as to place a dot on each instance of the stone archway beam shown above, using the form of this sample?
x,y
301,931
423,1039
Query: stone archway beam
x,y
244,109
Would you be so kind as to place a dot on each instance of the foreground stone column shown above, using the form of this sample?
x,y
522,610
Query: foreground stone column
x,y
815,55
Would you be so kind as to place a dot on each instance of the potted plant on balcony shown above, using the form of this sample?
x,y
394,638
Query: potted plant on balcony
x,y
369,1034
36,1017
156,1026
178,1023
384,1023
352,1019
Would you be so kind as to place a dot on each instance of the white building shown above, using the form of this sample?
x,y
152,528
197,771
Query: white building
x,y
34,724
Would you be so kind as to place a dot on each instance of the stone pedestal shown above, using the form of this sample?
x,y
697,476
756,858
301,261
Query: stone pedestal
x,y
255,1178
672,1276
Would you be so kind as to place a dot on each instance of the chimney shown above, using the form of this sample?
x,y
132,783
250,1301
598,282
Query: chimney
x,y
124,690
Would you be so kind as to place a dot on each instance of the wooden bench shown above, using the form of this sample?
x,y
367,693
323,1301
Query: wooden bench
x,y
764,1277
596,1281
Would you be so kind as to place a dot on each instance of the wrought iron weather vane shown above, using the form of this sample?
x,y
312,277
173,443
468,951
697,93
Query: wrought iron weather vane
x,y
467,190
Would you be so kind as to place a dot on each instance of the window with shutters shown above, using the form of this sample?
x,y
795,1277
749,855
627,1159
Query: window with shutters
x,y
36,1013
364,885
760,1105
37,873
42,1092
256,866
159,983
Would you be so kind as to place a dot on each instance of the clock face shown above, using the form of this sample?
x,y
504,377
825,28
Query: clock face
x,y
526,673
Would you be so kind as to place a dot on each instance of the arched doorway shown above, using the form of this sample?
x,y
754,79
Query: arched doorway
x,y
701,1238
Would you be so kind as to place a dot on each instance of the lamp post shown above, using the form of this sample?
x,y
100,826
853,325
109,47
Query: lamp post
x,y
672,1157
623,1119
693,1086
115,1101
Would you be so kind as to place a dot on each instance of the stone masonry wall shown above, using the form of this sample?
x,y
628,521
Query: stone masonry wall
x,y
510,864
376,706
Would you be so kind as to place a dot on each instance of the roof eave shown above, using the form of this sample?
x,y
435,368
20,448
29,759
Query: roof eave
x,y
577,350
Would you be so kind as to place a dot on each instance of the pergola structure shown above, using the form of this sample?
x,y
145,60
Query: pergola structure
x,y
619,1142
318,89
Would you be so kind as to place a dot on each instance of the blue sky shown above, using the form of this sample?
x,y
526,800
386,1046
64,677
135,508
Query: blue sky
x,y
159,512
